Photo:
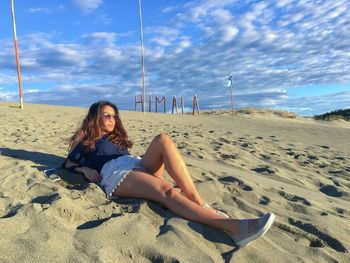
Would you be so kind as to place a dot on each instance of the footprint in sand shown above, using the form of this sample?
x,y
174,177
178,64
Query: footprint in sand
x,y
291,153
312,157
264,156
274,138
339,172
224,140
336,183
46,199
323,146
217,146
293,203
96,223
339,210
294,198
263,170
228,156
331,190
321,238
241,184
245,145
264,200
13,211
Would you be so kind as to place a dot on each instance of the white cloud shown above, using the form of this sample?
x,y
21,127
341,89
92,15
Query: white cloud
x,y
162,31
162,41
39,10
88,6
221,16
185,44
163,36
229,33
170,9
198,10
8,78
101,38
315,105
105,19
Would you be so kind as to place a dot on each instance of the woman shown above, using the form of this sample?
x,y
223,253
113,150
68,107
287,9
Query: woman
x,y
98,150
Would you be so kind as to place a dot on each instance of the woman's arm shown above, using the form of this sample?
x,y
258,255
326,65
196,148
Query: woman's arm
x,y
89,173
77,138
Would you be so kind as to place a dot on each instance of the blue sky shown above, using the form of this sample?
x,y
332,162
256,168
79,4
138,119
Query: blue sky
x,y
287,54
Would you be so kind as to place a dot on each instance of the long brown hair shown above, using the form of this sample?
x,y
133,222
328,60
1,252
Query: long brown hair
x,y
91,128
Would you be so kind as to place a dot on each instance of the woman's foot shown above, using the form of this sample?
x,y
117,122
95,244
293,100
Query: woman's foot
x,y
208,207
253,229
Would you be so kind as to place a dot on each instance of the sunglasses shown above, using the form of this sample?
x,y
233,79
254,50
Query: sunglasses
x,y
109,116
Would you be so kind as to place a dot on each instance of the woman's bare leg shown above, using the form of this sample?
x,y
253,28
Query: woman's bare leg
x,y
163,152
142,185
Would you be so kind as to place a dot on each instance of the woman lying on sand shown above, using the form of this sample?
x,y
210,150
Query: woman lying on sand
x,y
99,151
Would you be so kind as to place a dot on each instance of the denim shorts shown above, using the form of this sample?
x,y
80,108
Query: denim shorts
x,y
115,170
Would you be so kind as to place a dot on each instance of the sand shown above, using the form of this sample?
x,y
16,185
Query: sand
x,y
245,164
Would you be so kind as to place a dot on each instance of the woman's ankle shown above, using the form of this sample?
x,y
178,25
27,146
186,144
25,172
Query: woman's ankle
x,y
195,199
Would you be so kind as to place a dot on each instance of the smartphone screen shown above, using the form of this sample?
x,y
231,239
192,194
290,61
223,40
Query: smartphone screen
x,y
52,174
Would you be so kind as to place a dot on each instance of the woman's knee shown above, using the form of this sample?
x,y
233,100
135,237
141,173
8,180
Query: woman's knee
x,y
167,190
163,139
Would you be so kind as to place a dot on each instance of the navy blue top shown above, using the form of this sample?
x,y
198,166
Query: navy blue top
x,y
104,152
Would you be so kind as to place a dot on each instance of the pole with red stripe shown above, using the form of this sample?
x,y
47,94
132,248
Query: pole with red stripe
x,y
17,59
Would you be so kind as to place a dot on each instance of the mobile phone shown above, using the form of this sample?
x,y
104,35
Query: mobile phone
x,y
52,174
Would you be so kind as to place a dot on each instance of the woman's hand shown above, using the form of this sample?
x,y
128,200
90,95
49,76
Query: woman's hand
x,y
90,174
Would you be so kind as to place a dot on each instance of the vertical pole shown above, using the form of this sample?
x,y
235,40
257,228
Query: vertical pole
x,y
142,102
194,97
156,103
164,104
17,58
135,103
172,108
149,104
230,78
143,67
182,104
174,105
195,104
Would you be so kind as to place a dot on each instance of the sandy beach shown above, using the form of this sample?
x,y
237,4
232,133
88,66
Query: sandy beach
x,y
245,164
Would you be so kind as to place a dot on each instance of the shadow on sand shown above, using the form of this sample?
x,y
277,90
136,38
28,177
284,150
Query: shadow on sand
x,y
46,161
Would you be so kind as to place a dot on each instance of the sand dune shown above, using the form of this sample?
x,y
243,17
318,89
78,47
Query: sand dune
x,y
244,164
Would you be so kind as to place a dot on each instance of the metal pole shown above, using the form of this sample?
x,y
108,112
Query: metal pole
x,y
17,59
143,67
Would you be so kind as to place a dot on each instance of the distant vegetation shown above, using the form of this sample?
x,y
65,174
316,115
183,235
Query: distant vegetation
x,y
253,111
334,115
279,113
